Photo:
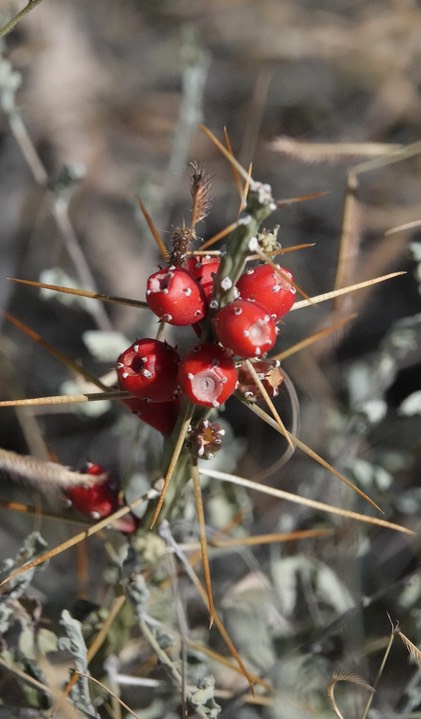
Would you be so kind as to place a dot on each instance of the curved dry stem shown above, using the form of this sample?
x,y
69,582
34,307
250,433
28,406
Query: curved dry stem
x,y
344,677
289,451
311,453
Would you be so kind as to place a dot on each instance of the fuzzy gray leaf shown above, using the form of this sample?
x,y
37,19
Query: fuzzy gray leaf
x,y
74,643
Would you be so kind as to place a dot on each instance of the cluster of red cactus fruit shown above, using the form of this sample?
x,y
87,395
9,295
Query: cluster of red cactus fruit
x,y
234,310
208,374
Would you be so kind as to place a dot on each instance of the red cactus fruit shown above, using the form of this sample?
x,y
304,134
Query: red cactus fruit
x,y
207,375
273,290
245,328
100,499
148,369
175,296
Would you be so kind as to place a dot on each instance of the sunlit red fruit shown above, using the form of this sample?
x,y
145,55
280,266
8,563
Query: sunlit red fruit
x,y
246,328
207,375
175,296
273,289
148,369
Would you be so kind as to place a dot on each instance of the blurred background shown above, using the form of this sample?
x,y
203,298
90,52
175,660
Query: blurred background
x,y
101,102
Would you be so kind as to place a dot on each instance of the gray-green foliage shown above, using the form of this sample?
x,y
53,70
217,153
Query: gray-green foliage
x,y
74,644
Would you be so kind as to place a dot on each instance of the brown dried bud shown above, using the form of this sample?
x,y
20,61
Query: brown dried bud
x,y
205,438
269,373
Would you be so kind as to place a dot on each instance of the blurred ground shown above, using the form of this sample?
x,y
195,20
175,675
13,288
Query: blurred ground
x,y
121,88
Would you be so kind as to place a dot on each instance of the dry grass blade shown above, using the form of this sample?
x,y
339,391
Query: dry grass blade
x,y
226,153
224,661
253,541
100,638
62,706
402,228
349,244
73,366
314,338
67,711
107,689
393,633
281,251
344,677
172,466
311,152
252,680
82,536
23,508
311,453
352,288
154,232
81,293
283,430
219,235
32,509
397,154
305,502
200,514
301,198
64,399
292,248
273,538
237,178
31,681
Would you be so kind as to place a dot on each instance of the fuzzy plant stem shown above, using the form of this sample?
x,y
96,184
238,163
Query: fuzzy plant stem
x,y
241,243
